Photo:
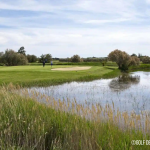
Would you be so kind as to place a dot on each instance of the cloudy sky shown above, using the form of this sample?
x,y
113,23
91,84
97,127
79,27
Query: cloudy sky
x,y
67,27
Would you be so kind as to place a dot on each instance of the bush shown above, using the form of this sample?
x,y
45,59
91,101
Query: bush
x,y
123,60
76,58
47,58
12,58
65,60
145,60
1,54
31,58
134,61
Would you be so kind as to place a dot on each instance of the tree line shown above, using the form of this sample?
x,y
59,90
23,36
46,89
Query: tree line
x,y
122,59
13,58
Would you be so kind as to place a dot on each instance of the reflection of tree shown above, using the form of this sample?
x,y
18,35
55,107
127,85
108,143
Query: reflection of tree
x,y
123,82
146,73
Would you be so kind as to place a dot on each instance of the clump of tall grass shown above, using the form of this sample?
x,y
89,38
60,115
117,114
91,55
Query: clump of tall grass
x,y
28,124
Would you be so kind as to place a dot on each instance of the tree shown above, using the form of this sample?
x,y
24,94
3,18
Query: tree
x,y
103,61
75,58
47,58
134,55
145,59
11,58
123,60
134,61
22,50
1,54
31,58
139,55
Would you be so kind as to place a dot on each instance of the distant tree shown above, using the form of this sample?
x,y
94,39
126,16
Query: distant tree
x,y
31,58
95,59
145,59
133,55
65,59
134,61
42,58
139,55
1,54
123,60
81,60
75,58
22,50
103,61
12,58
47,58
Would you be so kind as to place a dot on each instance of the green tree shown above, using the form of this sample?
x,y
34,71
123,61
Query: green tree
x,y
11,58
31,58
134,55
139,55
145,59
123,60
103,61
22,50
75,58
134,61
47,58
1,54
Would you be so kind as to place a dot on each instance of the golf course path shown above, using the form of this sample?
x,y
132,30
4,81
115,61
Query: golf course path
x,y
72,68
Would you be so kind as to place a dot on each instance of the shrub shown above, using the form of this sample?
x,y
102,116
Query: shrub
x,y
31,58
12,58
47,58
75,58
145,60
123,60
1,54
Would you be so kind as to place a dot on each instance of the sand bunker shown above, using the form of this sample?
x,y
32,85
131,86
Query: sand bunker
x,y
72,68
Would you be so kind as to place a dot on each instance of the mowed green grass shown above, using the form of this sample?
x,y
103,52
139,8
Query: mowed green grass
x,y
40,76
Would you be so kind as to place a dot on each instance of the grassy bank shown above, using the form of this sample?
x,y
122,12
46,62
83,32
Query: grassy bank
x,y
44,76
27,124
141,67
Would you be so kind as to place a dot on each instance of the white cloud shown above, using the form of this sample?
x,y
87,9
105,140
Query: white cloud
x,y
61,42
3,40
105,21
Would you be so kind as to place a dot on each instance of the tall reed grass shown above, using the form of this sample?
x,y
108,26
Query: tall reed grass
x,y
65,125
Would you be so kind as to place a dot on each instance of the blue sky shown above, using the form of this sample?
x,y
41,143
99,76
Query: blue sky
x,y
67,27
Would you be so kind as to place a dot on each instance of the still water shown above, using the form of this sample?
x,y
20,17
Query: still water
x,y
128,92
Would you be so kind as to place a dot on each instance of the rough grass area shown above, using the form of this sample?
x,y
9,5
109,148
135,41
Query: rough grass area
x,y
26,124
44,76
140,67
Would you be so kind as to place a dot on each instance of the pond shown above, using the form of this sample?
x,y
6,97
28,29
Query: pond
x,y
128,92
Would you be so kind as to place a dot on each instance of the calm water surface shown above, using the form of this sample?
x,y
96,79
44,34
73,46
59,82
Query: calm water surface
x,y
128,92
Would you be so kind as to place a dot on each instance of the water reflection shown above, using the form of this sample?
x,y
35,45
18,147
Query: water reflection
x,y
124,82
129,92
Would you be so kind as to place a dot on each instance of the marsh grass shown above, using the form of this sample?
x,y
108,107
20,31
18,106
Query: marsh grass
x,y
28,124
